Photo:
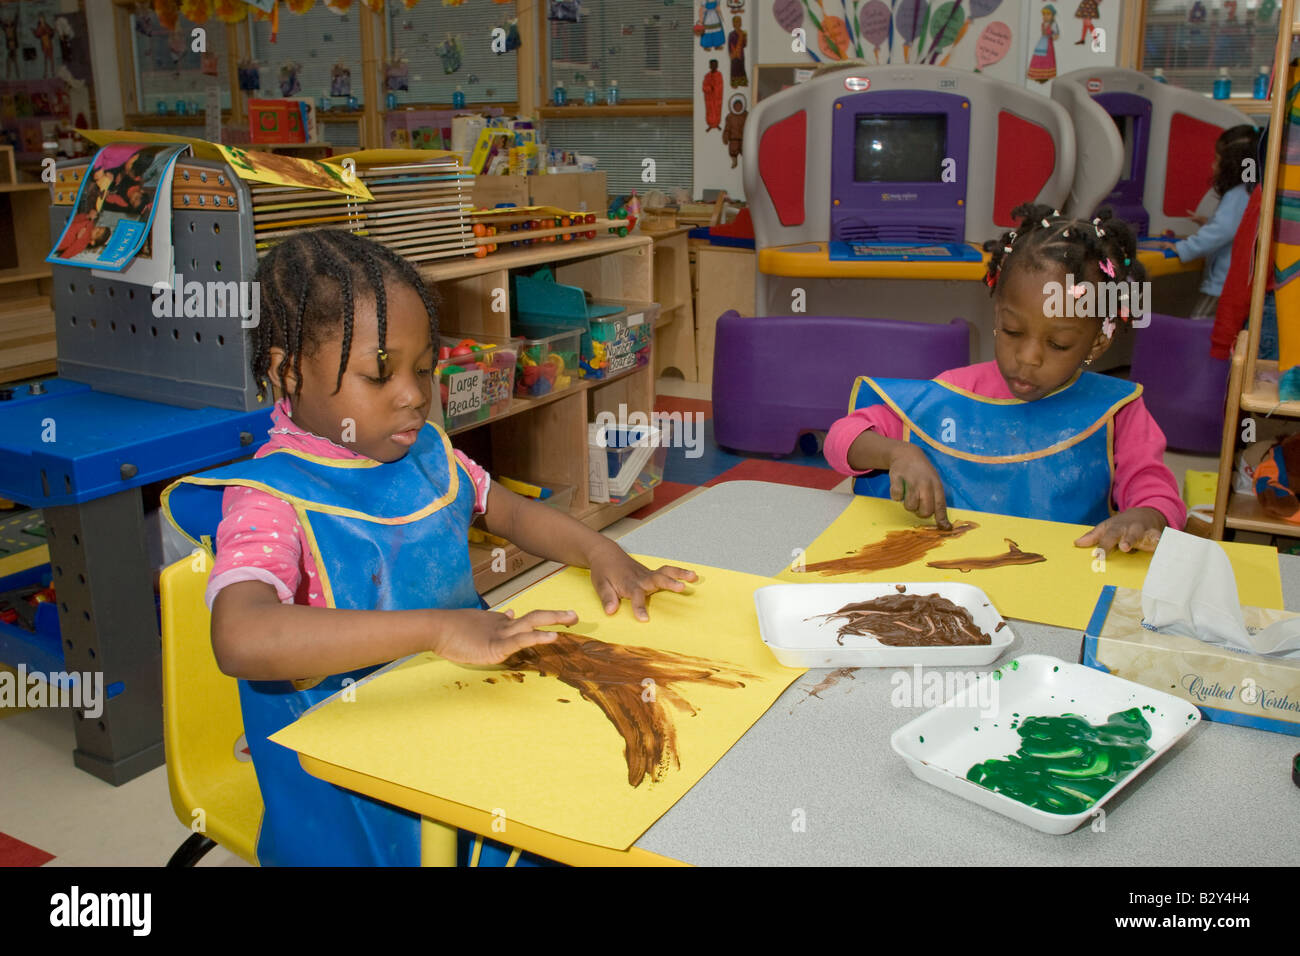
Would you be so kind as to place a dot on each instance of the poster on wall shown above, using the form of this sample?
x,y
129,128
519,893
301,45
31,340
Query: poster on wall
x,y
46,83
1024,42
724,86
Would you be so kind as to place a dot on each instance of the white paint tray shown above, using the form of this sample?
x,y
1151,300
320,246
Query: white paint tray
x,y
788,623
942,744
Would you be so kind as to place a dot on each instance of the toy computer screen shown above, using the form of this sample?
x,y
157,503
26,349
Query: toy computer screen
x,y
900,147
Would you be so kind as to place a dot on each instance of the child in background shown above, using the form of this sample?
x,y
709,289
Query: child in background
x,y
1030,434
343,544
1213,241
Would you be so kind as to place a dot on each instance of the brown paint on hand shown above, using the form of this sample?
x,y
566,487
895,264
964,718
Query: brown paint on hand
x,y
910,620
1013,555
896,549
615,677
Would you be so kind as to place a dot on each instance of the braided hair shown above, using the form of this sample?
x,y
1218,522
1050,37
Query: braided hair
x,y
313,279
1101,250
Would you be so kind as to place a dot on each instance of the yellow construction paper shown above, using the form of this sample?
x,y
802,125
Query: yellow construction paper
x,y
1062,590
513,750
391,157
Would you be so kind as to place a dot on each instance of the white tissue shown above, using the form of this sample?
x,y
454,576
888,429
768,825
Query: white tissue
x,y
1190,590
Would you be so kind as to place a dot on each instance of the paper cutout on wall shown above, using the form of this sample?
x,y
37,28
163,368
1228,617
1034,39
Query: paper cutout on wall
x,y
733,130
946,28
531,746
1060,590
1042,65
737,40
992,45
712,87
1087,11
788,14
873,25
709,26
910,20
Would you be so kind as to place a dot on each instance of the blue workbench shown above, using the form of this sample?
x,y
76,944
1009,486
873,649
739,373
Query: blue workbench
x,y
82,456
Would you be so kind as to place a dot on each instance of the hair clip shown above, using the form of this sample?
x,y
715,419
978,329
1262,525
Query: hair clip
x,y
1128,262
1108,267
1056,214
991,279
1108,327
383,355
1046,224
1006,250
1076,290
1013,235
1065,233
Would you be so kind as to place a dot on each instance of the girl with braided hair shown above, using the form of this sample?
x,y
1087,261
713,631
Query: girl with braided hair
x,y
1031,434
343,543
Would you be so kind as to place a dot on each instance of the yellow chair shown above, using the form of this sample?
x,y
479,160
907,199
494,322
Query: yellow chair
x,y
209,773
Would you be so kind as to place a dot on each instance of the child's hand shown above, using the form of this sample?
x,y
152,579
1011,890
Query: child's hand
x,y
1135,528
487,637
615,576
914,482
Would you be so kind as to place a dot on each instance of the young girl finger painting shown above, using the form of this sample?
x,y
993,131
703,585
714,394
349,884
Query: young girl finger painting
x,y
343,544
1033,433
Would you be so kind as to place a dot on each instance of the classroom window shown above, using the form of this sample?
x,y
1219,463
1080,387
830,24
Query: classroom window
x,y
1191,39
622,144
647,47
167,70
316,42
448,47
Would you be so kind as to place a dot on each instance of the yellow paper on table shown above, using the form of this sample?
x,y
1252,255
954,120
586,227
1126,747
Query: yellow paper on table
x,y
1061,590
532,747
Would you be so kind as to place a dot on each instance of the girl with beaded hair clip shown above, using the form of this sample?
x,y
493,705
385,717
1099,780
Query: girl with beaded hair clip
x,y
343,543
1032,433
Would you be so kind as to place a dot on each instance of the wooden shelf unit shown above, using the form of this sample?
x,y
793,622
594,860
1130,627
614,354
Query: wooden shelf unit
x,y
26,315
1246,392
675,330
545,438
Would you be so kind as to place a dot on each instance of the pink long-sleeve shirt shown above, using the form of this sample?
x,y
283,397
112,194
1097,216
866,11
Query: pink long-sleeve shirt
x,y
260,537
1142,479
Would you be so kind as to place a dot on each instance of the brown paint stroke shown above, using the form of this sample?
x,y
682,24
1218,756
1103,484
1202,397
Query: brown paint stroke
x,y
896,549
614,678
1013,555
909,620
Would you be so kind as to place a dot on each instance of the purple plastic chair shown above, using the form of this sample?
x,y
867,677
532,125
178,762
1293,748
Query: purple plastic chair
x,y
1183,387
775,377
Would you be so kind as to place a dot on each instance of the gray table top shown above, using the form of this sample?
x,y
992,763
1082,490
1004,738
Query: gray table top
x,y
1222,796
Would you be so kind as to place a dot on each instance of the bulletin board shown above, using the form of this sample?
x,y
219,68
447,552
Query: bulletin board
x,y
724,45
46,81
1005,39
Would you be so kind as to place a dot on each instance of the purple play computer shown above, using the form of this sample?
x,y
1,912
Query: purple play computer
x,y
890,153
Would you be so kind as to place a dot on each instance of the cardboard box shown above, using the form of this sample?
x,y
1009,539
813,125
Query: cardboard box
x,y
1229,686
573,192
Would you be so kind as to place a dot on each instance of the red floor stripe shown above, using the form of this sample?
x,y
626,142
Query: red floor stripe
x,y
666,492
14,852
780,473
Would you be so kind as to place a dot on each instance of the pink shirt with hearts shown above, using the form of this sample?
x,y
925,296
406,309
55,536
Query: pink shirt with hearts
x,y
260,537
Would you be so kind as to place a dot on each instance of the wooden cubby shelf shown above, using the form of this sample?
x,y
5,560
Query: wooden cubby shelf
x,y
545,439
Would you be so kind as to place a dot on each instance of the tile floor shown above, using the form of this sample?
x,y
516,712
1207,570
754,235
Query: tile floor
x,y
53,814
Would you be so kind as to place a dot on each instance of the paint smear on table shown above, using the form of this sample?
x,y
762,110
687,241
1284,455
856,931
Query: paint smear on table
x,y
631,686
896,549
1066,764
1013,555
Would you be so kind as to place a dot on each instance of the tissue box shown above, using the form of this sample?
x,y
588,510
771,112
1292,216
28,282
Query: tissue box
x,y
1229,686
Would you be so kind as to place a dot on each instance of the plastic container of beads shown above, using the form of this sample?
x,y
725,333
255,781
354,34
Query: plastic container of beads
x,y
475,379
620,342
547,364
